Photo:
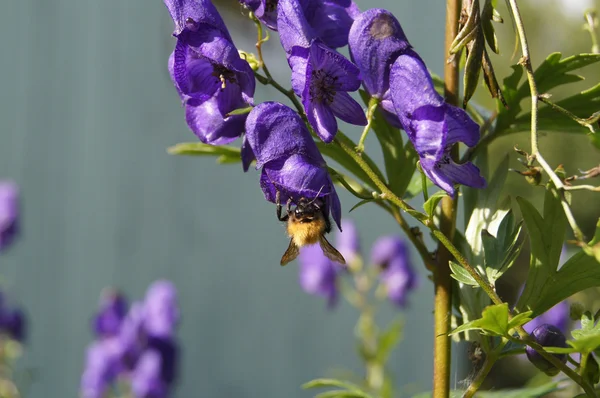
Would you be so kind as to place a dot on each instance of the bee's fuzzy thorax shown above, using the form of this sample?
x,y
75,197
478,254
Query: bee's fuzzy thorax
x,y
306,233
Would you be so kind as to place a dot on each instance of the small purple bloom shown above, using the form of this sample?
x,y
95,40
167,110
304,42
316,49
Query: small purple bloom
x,y
290,160
348,242
113,309
161,311
9,213
376,39
397,275
15,324
101,368
432,125
301,21
558,316
547,336
208,72
146,381
318,274
132,335
323,78
264,10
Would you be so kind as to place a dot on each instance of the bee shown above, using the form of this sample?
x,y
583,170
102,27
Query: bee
x,y
307,224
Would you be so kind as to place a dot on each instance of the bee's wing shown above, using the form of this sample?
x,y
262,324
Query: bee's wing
x,y
291,253
330,251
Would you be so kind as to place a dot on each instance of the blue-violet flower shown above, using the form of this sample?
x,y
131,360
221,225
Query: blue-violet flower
x,y
9,213
397,275
290,160
209,74
318,274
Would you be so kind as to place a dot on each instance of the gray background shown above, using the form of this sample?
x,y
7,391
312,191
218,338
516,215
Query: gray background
x,y
86,112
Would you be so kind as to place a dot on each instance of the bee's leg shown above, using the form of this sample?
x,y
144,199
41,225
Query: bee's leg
x,y
278,203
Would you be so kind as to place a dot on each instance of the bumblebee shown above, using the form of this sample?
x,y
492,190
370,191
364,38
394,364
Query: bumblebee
x,y
307,224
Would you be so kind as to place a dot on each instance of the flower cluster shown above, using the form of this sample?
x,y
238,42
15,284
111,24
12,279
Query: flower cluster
x,y
320,276
213,80
134,345
396,75
9,213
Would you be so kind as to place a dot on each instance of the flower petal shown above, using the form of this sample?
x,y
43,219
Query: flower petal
x,y
375,39
208,123
347,109
298,62
338,67
460,127
293,27
321,118
191,14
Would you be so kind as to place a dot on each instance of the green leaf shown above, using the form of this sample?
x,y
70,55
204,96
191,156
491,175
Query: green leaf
x,y
554,71
488,29
349,389
359,204
353,186
240,111
591,373
502,250
494,321
342,394
519,319
433,201
526,392
587,338
546,235
388,340
461,275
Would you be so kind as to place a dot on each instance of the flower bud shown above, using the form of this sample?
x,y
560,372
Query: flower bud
x,y
547,335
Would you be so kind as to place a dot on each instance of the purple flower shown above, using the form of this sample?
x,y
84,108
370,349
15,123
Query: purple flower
x,y
432,125
397,275
348,242
376,39
15,324
161,311
208,72
547,336
113,309
558,316
290,160
318,274
102,366
323,77
301,21
9,213
146,381
264,10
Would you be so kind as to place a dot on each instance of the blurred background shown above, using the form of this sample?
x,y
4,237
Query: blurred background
x,y
87,111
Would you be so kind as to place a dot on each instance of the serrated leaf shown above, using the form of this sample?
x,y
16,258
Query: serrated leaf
x,y
494,321
388,340
433,201
546,235
554,70
461,275
501,250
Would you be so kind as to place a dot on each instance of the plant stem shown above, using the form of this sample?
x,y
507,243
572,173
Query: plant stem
x,y
373,102
535,150
490,359
442,347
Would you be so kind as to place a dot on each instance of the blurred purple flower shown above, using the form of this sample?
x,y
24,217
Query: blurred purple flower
x,y
113,309
347,241
102,365
146,381
9,213
161,311
208,72
290,160
397,275
558,316
376,39
301,21
432,125
264,10
14,324
323,78
318,274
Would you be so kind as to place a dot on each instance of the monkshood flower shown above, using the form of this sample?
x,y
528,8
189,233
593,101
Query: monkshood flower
x,y
432,125
323,78
12,321
264,10
547,336
9,213
375,40
290,160
558,316
137,347
301,21
208,72
397,275
318,274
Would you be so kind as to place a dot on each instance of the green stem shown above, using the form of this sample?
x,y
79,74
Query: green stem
x,y
490,360
591,25
372,106
569,114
